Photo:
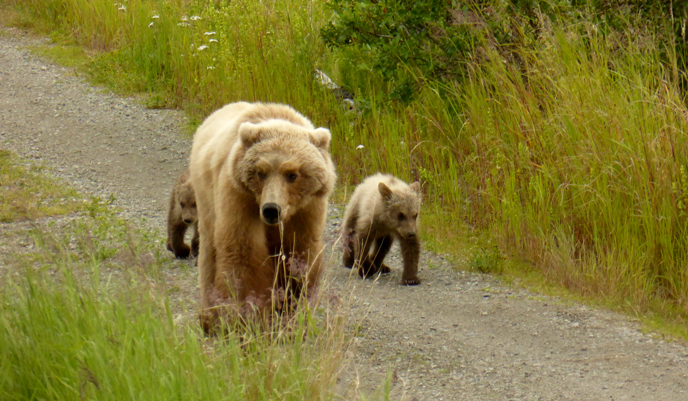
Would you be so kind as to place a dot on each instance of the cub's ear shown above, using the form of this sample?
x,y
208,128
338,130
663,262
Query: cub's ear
x,y
320,137
415,187
384,191
249,134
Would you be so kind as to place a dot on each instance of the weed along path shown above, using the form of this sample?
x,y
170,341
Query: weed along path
x,y
457,336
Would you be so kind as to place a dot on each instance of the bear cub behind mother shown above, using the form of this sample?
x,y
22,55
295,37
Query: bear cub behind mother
x,y
262,175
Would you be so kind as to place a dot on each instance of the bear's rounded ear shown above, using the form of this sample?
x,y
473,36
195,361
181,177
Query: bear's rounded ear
x,y
384,190
249,134
415,187
320,137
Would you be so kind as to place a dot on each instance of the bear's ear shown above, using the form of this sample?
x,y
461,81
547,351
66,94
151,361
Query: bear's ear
x,y
384,190
415,187
320,137
249,134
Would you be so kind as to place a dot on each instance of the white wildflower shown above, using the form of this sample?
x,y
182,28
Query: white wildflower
x,y
183,24
210,67
211,33
212,40
185,18
150,25
202,47
360,147
155,17
195,18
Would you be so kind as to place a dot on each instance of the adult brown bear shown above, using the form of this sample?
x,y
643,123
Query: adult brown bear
x,y
262,175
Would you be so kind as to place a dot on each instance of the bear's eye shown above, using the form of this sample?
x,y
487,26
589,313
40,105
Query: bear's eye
x,y
291,177
181,204
401,217
261,175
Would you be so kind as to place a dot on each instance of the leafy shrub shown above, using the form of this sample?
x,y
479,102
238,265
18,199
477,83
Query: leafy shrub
x,y
400,40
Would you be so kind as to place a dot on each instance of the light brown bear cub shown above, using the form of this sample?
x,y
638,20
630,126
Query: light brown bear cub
x,y
180,216
262,175
382,209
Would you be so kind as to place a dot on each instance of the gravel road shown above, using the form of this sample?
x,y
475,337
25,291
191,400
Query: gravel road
x,y
457,336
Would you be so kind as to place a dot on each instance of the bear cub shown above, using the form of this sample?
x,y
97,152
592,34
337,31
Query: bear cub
x,y
382,209
182,215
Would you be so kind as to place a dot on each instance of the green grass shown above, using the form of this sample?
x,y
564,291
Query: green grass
x,y
65,337
87,314
26,193
572,160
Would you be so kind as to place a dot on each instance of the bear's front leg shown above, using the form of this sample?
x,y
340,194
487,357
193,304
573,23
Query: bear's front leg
x,y
175,240
410,250
195,240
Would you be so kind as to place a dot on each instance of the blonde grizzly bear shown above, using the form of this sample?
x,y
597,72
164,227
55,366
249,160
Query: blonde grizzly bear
x,y
382,209
262,175
180,216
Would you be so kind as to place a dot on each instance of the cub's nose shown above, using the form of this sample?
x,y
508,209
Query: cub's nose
x,y
271,213
410,235
188,221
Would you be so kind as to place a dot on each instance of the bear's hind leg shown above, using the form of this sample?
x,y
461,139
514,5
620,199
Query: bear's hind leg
x,y
382,247
349,241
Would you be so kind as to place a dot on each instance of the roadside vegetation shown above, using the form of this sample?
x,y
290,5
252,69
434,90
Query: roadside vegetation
x,y
25,193
556,129
88,313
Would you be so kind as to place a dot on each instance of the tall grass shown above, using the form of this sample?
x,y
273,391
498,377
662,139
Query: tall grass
x,y
196,55
73,331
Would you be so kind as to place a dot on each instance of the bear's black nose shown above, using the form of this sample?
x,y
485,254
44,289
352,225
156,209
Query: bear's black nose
x,y
271,213
188,221
411,235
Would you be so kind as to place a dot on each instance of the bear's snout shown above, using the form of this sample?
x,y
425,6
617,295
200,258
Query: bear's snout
x,y
271,213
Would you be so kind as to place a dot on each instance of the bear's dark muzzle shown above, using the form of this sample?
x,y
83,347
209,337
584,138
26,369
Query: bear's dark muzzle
x,y
271,213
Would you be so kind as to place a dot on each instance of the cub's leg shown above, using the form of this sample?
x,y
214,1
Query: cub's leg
x,y
176,228
349,241
366,267
381,249
410,250
195,240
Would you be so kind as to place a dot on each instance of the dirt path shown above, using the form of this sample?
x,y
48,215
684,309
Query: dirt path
x,y
458,336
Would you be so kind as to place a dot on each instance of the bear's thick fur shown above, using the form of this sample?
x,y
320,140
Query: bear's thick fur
x,y
262,175
382,209
180,216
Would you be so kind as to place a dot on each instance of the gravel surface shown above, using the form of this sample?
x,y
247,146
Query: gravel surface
x,y
457,336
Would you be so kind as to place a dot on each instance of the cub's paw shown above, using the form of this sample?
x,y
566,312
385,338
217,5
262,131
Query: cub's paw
x,y
410,281
182,252
384,269
367,272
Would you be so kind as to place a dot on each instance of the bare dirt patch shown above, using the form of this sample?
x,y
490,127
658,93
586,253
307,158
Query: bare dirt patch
x,y
456,336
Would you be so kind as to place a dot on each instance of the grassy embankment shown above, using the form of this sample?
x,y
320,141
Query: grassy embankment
x,y
574,161
87,313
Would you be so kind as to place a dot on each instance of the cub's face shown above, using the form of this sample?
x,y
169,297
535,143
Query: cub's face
x,y
284,171
186,198
401,209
